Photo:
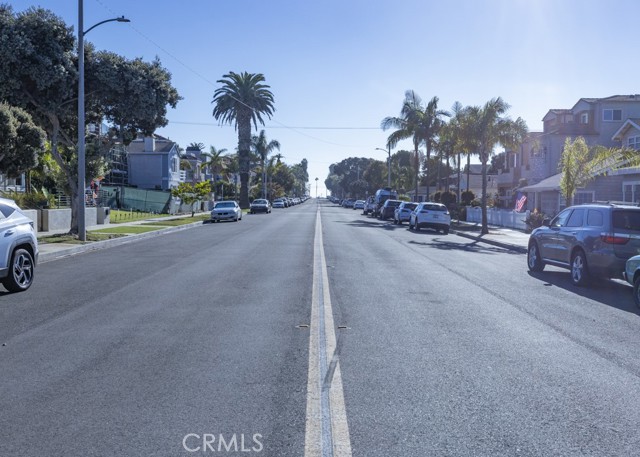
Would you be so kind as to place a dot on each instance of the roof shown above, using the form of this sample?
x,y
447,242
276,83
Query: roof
x,y
161,144
629,123
548,184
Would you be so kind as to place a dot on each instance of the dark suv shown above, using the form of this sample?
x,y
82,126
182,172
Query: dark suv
x,y
595,239
388,209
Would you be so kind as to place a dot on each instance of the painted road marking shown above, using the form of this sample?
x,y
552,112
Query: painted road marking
x,y
327,431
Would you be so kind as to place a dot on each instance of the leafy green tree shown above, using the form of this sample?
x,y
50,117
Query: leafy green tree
x,y
190,193
243,99
21,141
38,72
217,163
490,126
376,175
262,147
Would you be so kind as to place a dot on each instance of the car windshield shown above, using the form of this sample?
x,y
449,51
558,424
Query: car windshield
x,y
225,205
259,202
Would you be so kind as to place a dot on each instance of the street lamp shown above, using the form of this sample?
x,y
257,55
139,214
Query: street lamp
x,y
82,229
316,188
389,164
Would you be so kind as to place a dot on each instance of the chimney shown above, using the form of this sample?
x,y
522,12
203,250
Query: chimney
x,y
149,143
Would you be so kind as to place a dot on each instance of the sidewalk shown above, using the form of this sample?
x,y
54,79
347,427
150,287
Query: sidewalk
x,y
506,238
53,251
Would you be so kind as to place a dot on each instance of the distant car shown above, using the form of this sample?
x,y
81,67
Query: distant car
x,y
388,209
430,215
369,205
278,203
590,240
358,204
403,212
348,203
260,205
18,247
226,210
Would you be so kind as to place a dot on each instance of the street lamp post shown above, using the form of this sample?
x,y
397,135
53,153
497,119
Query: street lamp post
x,y
82,228
316,188
388,163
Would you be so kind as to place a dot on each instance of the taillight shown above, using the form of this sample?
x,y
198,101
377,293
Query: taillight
x,y
614,239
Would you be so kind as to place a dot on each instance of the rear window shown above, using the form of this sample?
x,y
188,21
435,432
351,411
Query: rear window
x,y
6,210
410,206
435,207
626,220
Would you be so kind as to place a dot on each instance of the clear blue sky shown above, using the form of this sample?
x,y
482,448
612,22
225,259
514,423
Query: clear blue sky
x,y
338,67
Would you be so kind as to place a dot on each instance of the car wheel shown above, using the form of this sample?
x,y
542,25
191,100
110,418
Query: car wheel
x,y
21,271
636,291
399,221
534,260
579,269
416,227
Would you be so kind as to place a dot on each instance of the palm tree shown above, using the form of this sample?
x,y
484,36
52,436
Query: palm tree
x,y
489,126
242,100
263,148
418,122
217,162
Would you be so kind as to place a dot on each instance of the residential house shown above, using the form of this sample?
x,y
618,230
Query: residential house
x,y
154,163
12,184
534,166
194,172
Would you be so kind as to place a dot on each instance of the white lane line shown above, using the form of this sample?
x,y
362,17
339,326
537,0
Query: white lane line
x,y
327,431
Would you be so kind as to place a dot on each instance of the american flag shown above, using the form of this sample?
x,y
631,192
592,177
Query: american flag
x,y
520,202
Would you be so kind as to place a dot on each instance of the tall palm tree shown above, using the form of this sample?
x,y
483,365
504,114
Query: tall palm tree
x,y
217,162
263,148
243,99
420,123
489,126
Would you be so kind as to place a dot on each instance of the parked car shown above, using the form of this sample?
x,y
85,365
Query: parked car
x,y
388,209
278,203
430,215
358,204
348,203
18,247
632,276
591,240
403,212
226,210
369,205
260,205
380,197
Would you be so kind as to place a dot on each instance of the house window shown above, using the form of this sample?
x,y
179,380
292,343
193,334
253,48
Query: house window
x,y
634,142
582,197
584,118
611,115
631,191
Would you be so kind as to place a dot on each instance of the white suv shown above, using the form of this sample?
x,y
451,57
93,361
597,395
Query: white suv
x,y
430,215
18,247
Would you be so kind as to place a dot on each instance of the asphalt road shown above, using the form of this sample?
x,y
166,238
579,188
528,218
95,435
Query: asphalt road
x,y
447,347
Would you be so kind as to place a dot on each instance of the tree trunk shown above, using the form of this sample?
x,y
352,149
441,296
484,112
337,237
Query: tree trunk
x,y
458,186
244,145
485,225
417,167
427,171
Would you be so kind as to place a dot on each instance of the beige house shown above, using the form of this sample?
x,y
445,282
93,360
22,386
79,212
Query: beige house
x,y
533,167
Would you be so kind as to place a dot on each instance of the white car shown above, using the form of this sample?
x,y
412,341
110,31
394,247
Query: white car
x,y
278,203
403,212
226,210
430,215
18,247
359,204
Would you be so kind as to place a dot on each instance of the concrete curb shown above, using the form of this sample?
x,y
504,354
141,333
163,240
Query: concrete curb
x,y
99,245
512,247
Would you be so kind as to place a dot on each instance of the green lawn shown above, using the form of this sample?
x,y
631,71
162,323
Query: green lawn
x,y
73,239
181,221
119,216
127,229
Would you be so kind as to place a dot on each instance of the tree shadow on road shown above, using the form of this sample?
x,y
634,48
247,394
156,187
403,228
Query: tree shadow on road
x,y
474,246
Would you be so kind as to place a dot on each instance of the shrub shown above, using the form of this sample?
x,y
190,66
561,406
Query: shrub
x,y
437,196
448,199
404,198
476,202
534,220
467,197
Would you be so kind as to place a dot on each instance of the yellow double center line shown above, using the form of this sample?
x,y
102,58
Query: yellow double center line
x,y
327,431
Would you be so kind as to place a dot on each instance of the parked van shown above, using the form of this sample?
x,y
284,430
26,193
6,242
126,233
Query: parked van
x,y
381,196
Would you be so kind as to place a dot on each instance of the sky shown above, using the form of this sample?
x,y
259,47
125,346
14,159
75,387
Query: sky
x,y
338,67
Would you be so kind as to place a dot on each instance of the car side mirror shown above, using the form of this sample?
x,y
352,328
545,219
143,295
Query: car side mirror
x,y
546,222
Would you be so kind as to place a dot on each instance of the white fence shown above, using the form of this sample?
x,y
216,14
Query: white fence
x,y
498,217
